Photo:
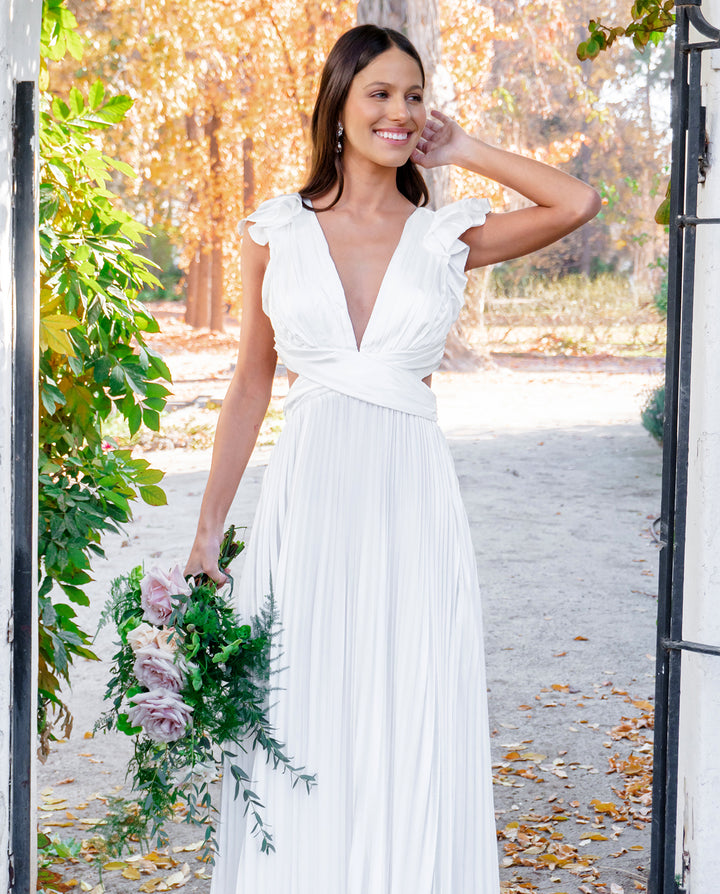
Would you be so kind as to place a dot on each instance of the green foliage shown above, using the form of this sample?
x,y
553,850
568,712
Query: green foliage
x,y
653,413
93,360
661,296
649,20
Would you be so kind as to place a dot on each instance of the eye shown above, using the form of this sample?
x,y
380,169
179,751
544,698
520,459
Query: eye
x,y
417,97
379,93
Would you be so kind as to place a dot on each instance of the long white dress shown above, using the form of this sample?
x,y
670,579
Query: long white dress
x,y
362,526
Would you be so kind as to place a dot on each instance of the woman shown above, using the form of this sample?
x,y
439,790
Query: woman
x,y
360,523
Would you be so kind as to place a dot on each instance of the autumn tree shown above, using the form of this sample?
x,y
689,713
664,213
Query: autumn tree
x,y
221,92
549,104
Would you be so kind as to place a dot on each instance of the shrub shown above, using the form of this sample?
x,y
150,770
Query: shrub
x,y
653,413
93,360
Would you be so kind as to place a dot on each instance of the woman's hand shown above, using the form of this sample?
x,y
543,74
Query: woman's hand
x,y
440,143
204,558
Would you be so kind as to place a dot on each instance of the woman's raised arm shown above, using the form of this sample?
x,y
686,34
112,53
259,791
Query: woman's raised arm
x,y
562,202
241,416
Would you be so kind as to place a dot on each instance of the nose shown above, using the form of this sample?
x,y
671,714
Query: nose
x,y
399,109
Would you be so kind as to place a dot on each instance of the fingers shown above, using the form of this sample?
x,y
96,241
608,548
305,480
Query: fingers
x,y
196,569
217,575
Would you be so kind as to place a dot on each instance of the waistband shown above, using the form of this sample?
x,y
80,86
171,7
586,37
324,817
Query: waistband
x,y
363,376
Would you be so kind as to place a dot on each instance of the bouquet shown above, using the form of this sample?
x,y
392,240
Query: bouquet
x,y
189,683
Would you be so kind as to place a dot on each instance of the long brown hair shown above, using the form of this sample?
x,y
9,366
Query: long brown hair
x,y
353,50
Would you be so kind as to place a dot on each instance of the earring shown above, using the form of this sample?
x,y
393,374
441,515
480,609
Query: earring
x,y
340,129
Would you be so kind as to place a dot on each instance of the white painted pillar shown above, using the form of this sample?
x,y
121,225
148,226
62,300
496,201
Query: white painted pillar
x,y
19,59
699,767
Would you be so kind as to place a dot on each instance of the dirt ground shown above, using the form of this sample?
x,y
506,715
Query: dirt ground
x,y
561,485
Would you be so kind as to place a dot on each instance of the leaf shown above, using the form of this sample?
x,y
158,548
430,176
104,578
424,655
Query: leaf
x,y
603,806
153,495
77,103
96,94
114,109
52,333
124,726
150,885
150,476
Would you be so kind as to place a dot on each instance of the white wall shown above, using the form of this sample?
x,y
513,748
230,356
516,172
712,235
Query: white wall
x,y
699,770
19,48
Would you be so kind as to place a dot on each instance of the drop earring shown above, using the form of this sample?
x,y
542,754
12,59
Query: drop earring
x,y
340,129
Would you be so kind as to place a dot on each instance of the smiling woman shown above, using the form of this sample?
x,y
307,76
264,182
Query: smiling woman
x,y
355,283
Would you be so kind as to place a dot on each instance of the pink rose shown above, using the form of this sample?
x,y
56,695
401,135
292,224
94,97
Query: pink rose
x,y
156,592
163,715
157,669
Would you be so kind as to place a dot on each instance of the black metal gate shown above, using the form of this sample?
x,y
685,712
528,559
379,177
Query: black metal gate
x,y
689,163
24,626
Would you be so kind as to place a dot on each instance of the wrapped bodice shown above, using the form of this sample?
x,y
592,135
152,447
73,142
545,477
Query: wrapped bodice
x,y
420,297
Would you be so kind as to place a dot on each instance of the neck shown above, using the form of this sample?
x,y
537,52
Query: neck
x,y
368,187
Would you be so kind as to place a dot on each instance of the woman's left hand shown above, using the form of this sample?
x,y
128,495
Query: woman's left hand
x,y
440,141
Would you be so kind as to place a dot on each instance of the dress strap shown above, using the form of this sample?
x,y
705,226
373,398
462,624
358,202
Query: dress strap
x,y
361,375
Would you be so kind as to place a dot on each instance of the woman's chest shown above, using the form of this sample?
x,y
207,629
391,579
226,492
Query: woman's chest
x,y
308,298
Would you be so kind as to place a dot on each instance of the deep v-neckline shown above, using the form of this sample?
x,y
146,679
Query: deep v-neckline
x,y
338,278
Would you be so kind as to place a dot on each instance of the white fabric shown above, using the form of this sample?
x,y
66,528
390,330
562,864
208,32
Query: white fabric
x,y
381,682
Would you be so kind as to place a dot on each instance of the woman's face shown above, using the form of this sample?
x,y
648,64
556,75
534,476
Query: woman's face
x,y
384,113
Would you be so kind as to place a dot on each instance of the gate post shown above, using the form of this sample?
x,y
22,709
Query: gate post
x,y
19,66
698,855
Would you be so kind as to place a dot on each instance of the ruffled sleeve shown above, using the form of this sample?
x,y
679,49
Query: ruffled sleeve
x,y
451,222
443,238
270,215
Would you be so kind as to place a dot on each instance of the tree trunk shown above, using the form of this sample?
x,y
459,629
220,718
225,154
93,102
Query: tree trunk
x,y
585,232
191,291
216,264
385,13
192,284
423,29
217,308
202,316
248,176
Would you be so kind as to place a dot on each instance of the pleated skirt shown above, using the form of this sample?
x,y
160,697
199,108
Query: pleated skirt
x,y
379,666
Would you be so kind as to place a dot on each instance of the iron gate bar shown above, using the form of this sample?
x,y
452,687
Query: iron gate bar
x,y
667,532
688,116
22,732
689,646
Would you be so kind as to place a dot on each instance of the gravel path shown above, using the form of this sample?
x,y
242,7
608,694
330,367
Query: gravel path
x,y
561,484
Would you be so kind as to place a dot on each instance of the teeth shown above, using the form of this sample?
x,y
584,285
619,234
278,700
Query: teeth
x,y
389,135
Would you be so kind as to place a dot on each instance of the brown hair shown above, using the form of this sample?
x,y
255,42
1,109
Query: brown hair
x,y
353,50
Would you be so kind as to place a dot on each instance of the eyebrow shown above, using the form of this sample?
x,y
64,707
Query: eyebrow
x,y
387,84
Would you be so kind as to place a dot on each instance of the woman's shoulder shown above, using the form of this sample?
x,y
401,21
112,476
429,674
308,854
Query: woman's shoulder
x,y
271,214
448,223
